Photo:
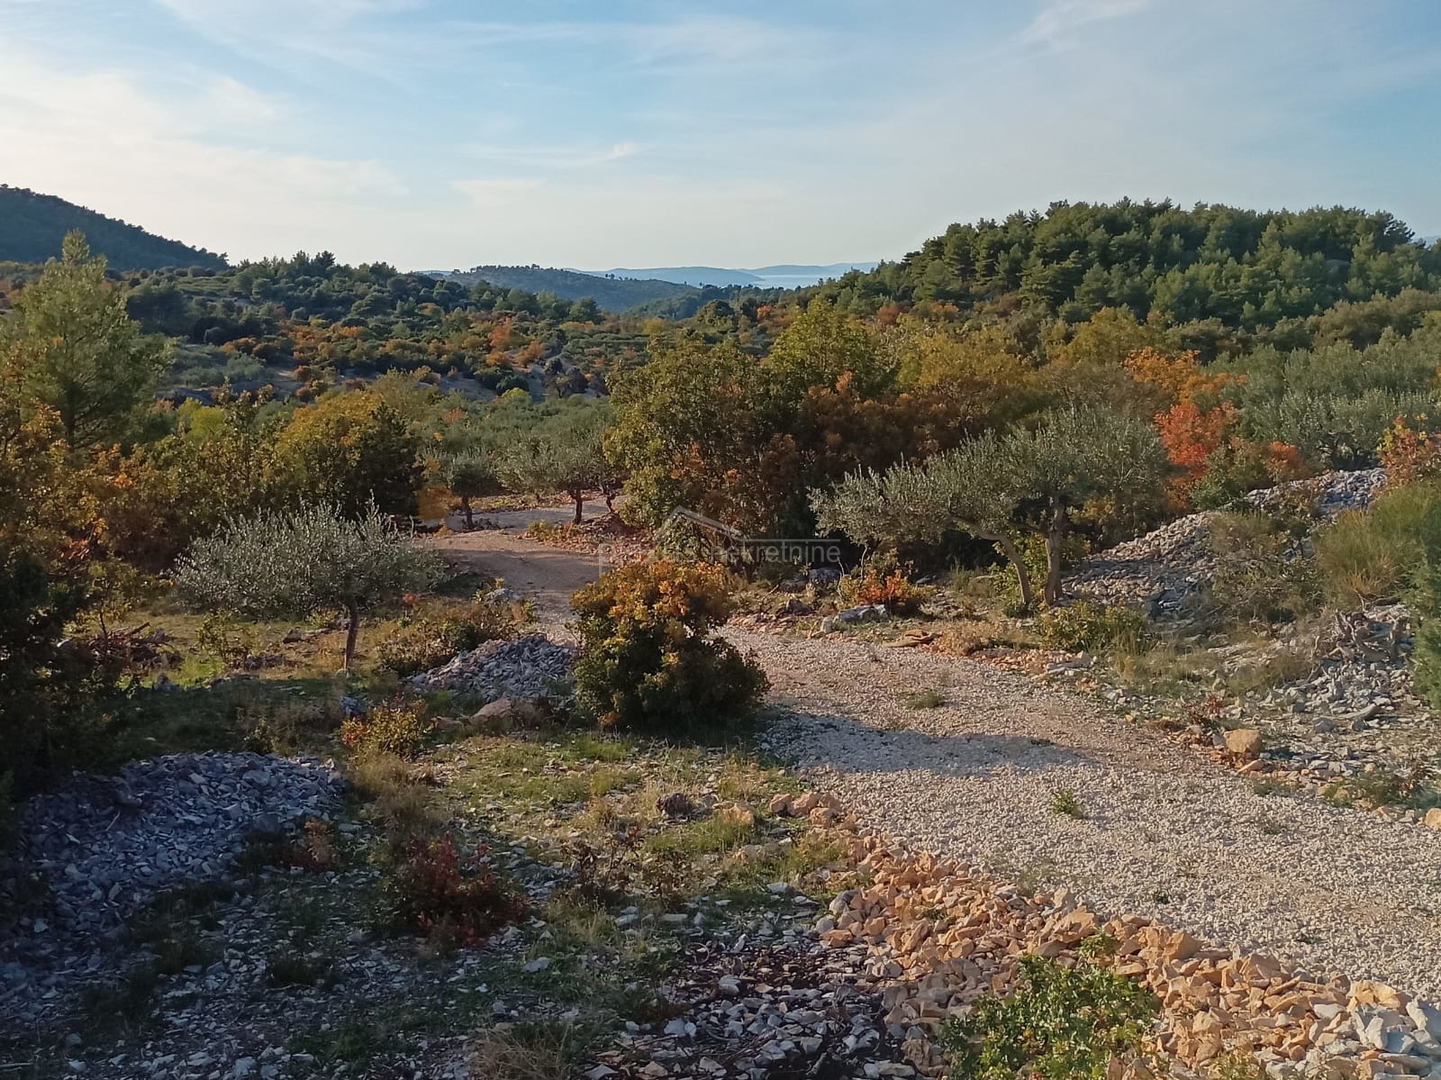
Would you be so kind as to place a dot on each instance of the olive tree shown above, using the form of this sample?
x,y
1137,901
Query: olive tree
x,y
564,452
975,488
295,564
471,474
1030,480
1077,455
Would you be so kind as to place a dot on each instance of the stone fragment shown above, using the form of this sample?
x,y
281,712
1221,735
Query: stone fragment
x,y
1245,743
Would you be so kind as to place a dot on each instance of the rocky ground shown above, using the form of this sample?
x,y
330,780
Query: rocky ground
x,y
965,815
1045,788
1167,571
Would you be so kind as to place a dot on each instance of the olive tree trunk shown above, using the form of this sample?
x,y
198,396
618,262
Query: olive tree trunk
x,y
352,631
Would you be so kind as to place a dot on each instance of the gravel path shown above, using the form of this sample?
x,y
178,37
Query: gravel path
x,y
1167,833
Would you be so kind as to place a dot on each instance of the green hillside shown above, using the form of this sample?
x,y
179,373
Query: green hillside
x,y
32,226
1242,268
612,294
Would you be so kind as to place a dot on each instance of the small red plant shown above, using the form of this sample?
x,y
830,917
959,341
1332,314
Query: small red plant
x,y
398,728
438,892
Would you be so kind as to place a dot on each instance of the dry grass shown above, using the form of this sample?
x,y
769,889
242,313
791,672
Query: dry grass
x,y
397,799
990,631
532,1050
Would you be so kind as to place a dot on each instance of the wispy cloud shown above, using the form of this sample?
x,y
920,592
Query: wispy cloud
x,y
163,159
498,192
556,157
266,30
1055,23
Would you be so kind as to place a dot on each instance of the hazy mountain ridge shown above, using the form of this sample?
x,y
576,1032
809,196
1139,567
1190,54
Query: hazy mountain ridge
x,y
612,294
758,276
32,226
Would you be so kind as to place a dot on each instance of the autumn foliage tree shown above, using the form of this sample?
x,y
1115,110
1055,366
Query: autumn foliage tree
x,y
349,451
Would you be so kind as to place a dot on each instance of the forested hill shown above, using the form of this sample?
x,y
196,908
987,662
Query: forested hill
x,y
612,294
32,226
1243,268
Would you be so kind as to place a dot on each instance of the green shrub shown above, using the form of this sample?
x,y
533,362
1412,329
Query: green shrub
x,y
1256,577
226,639
1374,554
1060,1024
1231,472
1086,624
429,640
647,662
1426,599
1067,803
397,728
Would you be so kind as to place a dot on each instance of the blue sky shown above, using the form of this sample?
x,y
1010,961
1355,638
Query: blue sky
x,y
442,133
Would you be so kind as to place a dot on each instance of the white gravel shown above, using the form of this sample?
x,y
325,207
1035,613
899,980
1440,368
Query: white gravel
x,y
1167,834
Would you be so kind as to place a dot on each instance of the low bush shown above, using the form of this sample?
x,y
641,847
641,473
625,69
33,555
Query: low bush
x,y
1426,599
1068,804
434,890
428,640
1409,455
228,640
1059,1024
1373,554
1086,624
1239,467
1260,574
398,727
647,661
882,580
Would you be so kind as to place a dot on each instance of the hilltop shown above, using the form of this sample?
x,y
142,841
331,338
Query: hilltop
x,y
1240,268
32,226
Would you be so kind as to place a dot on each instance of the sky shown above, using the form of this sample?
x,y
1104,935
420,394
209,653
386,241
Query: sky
x,y
441,134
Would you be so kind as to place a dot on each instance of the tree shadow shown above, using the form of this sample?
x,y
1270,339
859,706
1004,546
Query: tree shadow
x,y
846,745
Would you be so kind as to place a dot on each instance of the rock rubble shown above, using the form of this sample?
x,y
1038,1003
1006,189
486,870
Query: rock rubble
x,y
528,667
1168,570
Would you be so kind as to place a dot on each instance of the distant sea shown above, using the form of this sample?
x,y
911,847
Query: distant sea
x,y
786,281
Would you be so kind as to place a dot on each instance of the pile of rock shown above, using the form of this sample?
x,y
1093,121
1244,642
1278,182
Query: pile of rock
x,y
942,935
753,1009
528,667
1168,570
99,849
107,845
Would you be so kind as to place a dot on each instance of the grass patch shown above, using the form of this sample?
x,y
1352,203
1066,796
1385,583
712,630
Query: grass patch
x,y
1276,669
1370,555
1161,667
1066,803
924,699
715,835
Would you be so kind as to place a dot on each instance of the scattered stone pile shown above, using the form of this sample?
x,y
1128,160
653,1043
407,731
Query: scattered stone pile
x,y
100,848
108,844
1168,570
943,934
1354,713
528,667
762,1008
